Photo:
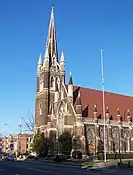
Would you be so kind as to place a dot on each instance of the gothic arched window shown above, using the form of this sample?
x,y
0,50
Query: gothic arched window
x,y
40,109
52,82
58,82
41,84
56,85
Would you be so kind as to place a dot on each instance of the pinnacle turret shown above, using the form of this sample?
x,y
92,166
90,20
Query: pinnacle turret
x,y
70,79
79,99
62,63
39,63
70,88
40,60
46,56
46,59
62,59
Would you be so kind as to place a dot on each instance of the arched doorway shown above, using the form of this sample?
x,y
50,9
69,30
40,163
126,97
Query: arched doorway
x,y
90,141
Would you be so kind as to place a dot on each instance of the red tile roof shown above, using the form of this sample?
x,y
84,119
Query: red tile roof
x,y
91,97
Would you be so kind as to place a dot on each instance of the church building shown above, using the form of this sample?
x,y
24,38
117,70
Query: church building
x,y
61,106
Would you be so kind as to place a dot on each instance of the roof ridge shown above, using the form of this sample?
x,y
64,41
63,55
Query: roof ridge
x,y
115,93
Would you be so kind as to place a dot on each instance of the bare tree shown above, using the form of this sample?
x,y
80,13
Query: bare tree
x,y
29,124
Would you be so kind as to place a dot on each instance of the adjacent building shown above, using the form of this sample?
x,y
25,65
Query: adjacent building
x,y
61,106
16,144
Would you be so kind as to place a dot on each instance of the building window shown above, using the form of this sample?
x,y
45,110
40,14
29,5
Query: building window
x,y
26,145
52,82
41,84
58,82
40,109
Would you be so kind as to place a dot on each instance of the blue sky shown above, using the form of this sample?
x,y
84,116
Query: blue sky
x,y
83,27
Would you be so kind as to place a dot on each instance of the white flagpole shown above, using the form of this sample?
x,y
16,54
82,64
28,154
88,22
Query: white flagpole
x,y
102,69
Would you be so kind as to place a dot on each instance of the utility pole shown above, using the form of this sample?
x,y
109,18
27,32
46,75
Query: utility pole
x,y
103,99
19,135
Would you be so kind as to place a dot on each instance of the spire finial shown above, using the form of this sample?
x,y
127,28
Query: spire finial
x,y
52,14
52,9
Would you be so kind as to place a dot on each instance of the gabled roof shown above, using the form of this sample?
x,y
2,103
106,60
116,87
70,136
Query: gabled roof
x,y
91,97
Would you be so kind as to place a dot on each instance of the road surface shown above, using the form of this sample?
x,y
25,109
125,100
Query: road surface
x,y
37,168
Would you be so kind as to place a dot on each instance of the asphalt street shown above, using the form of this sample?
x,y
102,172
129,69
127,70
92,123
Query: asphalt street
x,y
37,168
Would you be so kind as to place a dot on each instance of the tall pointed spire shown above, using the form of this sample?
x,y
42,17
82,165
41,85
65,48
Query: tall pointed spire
x,y
51,40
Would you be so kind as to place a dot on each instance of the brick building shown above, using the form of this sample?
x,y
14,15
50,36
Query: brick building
x,y
18,144
64,107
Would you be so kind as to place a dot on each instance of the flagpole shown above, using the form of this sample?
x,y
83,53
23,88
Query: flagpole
x,y
104,117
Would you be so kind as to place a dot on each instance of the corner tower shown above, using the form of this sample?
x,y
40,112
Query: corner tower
x,y
50,75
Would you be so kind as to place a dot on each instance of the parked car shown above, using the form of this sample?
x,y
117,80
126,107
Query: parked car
x,y
10,158
60,157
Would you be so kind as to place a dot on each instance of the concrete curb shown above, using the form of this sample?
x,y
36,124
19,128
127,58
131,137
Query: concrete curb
x,y
54,163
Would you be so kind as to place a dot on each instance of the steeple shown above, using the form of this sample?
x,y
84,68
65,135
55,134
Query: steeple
x,y
51,41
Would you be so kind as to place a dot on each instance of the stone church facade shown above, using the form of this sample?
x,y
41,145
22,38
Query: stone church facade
x,y
64,107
